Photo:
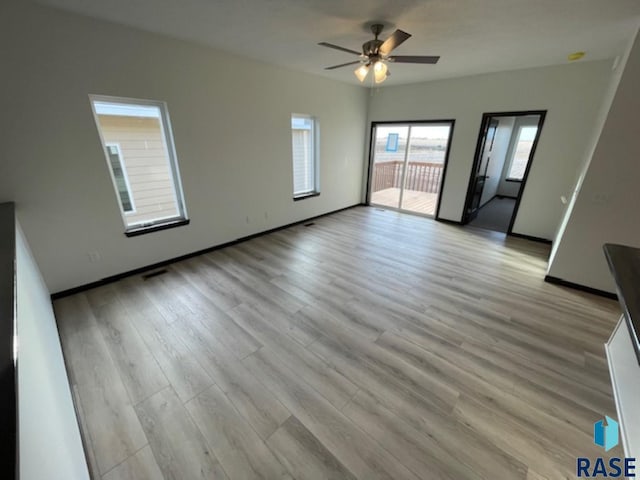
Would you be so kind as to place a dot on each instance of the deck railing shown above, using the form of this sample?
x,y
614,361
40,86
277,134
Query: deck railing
x,y
421,176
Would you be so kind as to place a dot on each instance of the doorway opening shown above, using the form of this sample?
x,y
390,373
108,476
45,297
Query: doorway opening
x,y
504,154
408,165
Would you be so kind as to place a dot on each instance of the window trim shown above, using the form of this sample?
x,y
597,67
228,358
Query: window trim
x,y
315,151
176,222
125,175
167,136
302,196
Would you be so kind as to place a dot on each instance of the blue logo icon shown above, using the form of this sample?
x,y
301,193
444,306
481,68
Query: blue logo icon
x,y
606,435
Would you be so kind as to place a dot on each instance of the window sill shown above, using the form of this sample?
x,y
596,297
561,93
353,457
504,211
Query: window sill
x,y
134,232
513,180
306,195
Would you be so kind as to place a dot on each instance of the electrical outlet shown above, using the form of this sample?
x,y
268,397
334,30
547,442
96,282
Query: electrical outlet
x,y
94,257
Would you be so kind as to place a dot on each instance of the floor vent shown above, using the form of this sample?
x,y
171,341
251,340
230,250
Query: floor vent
x,y
309,224
154,274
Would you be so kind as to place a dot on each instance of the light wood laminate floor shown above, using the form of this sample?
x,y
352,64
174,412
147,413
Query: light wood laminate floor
x,y
369,345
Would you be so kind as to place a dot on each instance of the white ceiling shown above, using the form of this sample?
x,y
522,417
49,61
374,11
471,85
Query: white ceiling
x,y
471,36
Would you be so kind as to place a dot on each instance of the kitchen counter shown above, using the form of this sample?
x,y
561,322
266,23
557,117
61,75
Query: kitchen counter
x,y
623,348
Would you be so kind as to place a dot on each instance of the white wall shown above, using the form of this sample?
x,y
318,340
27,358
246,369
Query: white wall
x,y
607,100
498,155
606,207
231,124
49,437
571,93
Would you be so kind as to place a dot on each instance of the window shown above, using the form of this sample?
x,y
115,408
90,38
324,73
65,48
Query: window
x,y
305,163
392,142
121,180
138,145
521,152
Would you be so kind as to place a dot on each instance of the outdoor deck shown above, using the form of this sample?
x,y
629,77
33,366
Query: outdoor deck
x,y
421,182
413,200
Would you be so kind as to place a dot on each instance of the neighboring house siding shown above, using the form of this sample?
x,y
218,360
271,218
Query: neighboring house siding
x,y
146,162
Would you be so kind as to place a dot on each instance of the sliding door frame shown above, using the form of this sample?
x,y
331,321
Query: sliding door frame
x,y
409,123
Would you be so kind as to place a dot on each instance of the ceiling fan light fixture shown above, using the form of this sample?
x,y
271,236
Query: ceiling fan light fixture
x,y
380,71
376,53
361,72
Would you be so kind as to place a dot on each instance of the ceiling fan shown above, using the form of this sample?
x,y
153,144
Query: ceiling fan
x,y
377,53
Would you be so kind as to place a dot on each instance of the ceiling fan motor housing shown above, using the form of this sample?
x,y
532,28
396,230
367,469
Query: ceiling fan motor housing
x,y
371,47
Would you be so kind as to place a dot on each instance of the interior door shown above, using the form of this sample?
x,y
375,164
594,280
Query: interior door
x,y
480,173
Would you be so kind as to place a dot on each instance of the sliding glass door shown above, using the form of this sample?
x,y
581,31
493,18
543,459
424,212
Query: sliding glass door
x,y
407,165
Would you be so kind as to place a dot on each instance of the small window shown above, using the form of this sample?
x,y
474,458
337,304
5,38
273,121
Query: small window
x,y
120,177
138,143
521,153
392,142
305,163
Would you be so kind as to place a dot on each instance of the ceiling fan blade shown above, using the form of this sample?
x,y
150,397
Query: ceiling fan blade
x,y
338,47
414,59
342,65
393,41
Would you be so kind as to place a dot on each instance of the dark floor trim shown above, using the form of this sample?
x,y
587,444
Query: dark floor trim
x,y
506,196
120,276
451,222
529,237
577,286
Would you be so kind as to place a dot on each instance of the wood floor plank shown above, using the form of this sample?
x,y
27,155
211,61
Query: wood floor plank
x,y
85,434
205,281
254,401
494,388
140,466
552,462
364,344
329,383
215,319
428,456
239,449
138,368
179,448
185,374
258,284
353,448
113,427
304,455
373,368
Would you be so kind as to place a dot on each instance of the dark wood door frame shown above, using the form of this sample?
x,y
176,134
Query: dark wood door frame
x,y
450,121
480,178
486,118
